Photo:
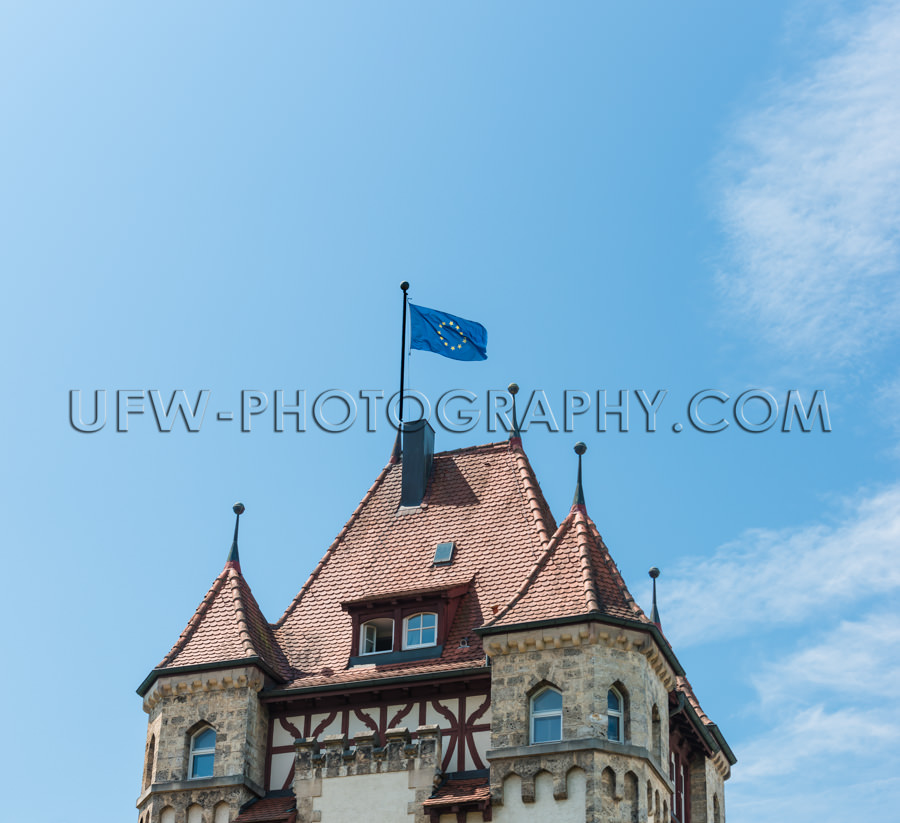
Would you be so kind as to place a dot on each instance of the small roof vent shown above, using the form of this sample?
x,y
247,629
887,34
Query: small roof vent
x,y
443,554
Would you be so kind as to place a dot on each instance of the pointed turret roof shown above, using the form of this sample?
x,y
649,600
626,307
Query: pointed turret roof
x,y
575,575
228,628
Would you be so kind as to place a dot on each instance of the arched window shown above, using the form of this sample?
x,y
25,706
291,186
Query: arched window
x,y
148,765
616,714
203,753
420,630
546,716
377,636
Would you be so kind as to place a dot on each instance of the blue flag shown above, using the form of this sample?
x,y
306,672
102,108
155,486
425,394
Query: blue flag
x,y
446,334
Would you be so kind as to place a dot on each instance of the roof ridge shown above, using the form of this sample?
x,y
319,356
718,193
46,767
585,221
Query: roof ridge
x,y
329,552
531,491
682,684
261,639
614,571
240,612
196,619
588,572
497,445
536,568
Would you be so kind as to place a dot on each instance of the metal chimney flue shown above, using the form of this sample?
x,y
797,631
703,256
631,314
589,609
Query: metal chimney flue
x,y
418,455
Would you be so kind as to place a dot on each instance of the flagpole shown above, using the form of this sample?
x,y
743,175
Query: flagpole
x,y
405,286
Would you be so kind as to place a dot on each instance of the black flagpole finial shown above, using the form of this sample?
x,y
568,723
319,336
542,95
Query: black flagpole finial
x,y
654,615
233,556
516,434
580,449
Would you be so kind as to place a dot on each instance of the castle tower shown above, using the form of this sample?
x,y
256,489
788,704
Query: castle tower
x,y
454,657
206,733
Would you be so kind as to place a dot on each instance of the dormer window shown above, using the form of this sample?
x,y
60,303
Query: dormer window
x,y
203,753
377,636
403,626
420,630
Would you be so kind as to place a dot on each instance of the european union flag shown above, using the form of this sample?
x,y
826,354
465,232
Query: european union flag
x,y
446,334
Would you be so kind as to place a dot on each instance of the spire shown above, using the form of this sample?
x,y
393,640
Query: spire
x,y
515,436
578,500
654,614
234,560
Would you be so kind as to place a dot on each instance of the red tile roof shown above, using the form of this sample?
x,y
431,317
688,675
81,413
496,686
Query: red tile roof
x,y
518,567
682,684
458,792
270,810
575,575
227,626
484,498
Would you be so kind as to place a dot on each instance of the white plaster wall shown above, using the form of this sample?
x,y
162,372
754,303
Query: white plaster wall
x,y
333,728
194,814
355,725
472,705
373,798
168,815
410,719
281,736
281,768
221,815
544,808
471,817
434,717
482,741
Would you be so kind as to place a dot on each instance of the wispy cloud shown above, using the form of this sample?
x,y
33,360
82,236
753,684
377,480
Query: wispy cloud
x,y
858,658
816,734
810,200
832,714
769,577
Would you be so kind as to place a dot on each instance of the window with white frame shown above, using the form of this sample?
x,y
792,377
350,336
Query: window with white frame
x,y
420,630
616,715
377,636
203,753
546,716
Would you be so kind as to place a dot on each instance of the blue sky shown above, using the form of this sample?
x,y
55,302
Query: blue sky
x,y
671,197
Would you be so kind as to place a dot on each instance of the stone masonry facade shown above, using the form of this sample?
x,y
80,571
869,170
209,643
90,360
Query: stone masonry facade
x,y
180,705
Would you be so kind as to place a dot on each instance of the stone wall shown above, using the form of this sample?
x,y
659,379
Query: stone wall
x,y
180,705
583,661
624,780
390,781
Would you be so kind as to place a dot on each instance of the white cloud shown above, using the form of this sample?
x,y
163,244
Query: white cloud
x,y
816,735
770,577
829,718
859,660
812,199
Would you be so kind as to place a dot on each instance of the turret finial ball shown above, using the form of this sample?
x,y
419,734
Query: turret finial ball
x,y
654,572
513,389
404,285
580,448
238,508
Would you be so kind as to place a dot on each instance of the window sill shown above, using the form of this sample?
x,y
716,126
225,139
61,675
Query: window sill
x,y
385,658
224,782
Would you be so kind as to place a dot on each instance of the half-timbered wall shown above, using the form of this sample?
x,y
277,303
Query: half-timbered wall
x,y
464,721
